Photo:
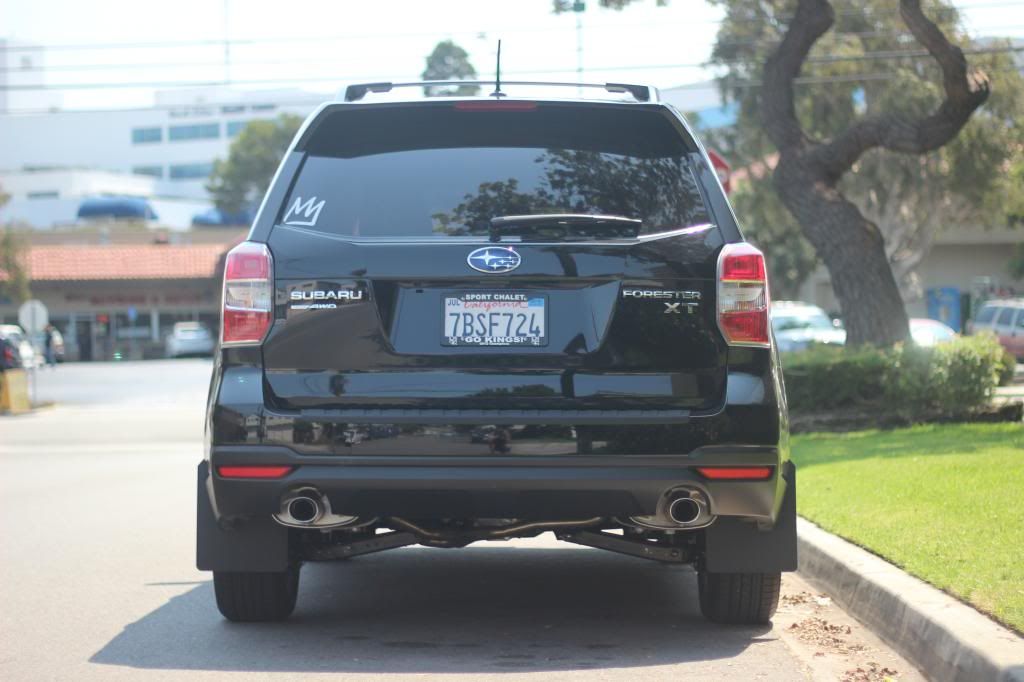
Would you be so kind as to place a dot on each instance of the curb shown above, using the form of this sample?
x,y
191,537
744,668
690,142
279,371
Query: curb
x,y
943,637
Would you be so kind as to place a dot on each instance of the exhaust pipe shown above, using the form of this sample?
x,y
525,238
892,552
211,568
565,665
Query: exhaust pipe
x,y
309,508
304,510
684,510
679,509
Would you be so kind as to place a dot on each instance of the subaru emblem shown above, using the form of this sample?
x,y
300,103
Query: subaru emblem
x,y
494,259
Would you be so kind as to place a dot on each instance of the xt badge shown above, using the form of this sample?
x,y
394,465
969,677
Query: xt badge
x,y
675,302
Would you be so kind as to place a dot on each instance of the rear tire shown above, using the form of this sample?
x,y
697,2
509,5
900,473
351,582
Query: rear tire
x,y
256,597
739,598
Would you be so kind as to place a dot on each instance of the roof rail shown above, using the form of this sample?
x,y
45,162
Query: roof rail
x,y
641,93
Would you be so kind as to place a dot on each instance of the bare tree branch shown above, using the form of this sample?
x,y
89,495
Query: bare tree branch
x,y
965,92
812,20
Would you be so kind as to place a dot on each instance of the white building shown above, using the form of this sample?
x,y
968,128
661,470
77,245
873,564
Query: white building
x,y
50,197
174,142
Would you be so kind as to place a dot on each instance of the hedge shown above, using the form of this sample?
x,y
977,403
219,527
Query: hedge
x,y
949,380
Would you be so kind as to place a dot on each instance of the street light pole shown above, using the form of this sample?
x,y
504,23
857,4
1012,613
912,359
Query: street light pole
x,y
227,44
578,7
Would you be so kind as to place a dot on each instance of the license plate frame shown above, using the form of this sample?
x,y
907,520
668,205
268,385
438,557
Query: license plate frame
x,y
501,303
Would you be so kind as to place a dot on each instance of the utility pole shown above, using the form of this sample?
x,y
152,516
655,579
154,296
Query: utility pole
x,y
578,6
227,44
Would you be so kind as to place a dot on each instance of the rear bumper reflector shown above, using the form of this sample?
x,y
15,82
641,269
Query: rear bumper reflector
x,y
254,471
736,473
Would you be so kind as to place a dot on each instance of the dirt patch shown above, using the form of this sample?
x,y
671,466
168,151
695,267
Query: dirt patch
x,y
830,636
830,643
872,672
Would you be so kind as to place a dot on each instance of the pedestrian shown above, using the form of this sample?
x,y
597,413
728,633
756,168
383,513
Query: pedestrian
x,y
49,346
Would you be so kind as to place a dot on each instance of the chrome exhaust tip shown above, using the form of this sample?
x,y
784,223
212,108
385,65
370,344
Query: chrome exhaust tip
x,y
304,510
679,509
684,510
309,508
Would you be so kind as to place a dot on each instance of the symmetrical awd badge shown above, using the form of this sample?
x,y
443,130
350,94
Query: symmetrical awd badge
x,y
494,259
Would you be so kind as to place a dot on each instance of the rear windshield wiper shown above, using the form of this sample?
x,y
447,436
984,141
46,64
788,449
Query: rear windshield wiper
x,y
565,226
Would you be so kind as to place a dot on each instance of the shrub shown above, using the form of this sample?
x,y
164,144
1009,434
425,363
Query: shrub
x,y
828,377
949,380
1007,368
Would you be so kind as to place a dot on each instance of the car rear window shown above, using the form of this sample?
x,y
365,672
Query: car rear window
x,y
436,170
986,314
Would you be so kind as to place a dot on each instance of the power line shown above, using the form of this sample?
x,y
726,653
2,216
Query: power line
x,y
865,56
890,55
367,36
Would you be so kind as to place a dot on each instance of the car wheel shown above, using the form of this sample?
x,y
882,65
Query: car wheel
x,y
255,597
739,598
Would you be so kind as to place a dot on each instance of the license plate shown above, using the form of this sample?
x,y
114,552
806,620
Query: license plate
x,y
494,318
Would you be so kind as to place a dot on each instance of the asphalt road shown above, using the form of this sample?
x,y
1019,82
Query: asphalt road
x,y
97,577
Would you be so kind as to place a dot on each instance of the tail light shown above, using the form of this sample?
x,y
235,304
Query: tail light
x,y
736,473
247,471
495,105
248,295
743,299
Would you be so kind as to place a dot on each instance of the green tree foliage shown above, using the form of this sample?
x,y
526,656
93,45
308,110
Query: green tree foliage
x,y
241,180
867,64
449,62
13,278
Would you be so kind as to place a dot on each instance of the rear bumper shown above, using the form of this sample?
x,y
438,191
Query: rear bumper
x,y
537,487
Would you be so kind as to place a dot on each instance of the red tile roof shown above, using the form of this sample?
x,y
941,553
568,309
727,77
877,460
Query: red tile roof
x,y
120,262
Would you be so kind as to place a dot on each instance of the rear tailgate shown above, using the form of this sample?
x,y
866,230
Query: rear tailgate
x,y
384,298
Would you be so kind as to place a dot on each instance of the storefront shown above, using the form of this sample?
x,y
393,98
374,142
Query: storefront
x,y
120,302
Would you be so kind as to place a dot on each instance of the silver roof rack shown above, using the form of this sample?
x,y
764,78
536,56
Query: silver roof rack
x,y
641,93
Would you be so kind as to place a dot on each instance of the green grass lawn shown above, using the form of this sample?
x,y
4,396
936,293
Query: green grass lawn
x,y
944,502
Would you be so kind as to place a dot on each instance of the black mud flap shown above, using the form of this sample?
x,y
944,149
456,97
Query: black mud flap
x,y
735,546
257,545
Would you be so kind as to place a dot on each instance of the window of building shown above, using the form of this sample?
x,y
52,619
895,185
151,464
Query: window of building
x,y
197,131
263,107
152,171
235,127
190,171
45,194
232,108
146,135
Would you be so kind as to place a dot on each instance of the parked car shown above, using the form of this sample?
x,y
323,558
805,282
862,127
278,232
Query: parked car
x,y
17,336
10,355
927,332
189,338
798,325
484,264
1005,319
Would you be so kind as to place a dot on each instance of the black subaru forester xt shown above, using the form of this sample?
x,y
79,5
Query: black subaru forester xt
x,y
476,318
